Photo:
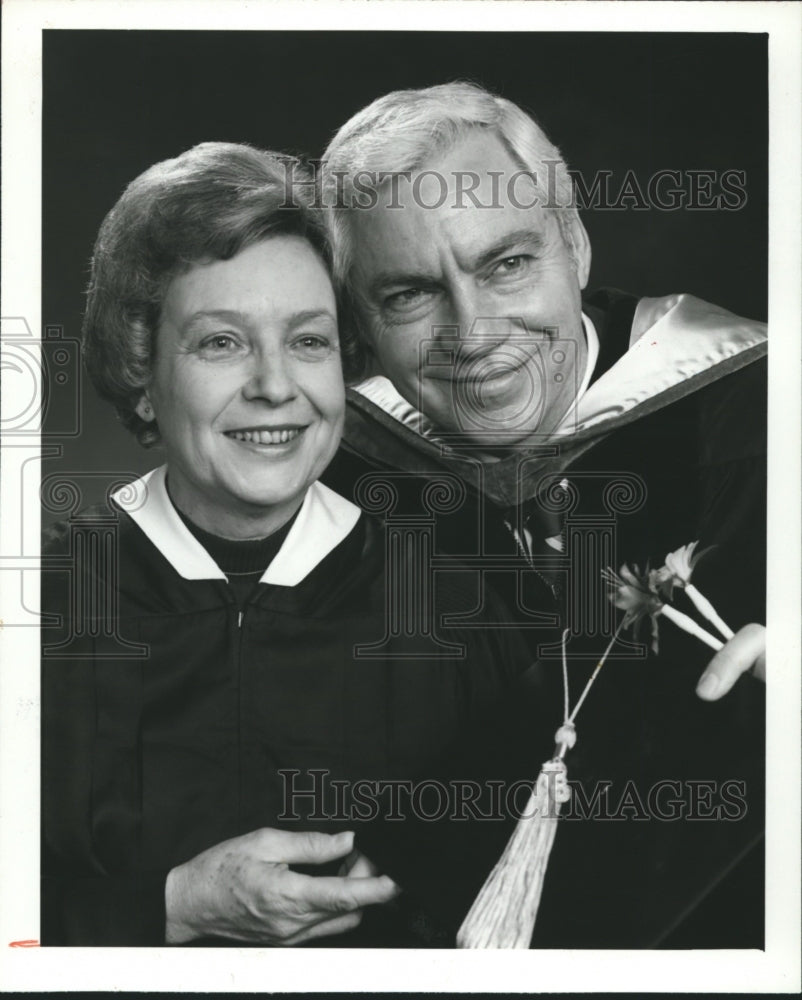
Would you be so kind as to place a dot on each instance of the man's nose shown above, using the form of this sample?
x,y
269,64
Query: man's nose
x,y
463,312
270,379
473,320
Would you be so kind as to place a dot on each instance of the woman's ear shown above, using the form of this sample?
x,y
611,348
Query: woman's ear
x,y
144,409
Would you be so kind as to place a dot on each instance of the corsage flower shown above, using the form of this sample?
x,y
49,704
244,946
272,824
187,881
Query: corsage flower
x,y
635,594
641,595
677,572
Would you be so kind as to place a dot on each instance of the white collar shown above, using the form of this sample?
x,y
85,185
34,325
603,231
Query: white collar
x,y
324,520
592,340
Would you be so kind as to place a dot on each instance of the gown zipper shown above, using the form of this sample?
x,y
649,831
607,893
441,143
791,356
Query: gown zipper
x,y
522,551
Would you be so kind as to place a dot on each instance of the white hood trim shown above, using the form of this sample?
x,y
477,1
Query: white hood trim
x,y
686,336
673,338
324,520
380,391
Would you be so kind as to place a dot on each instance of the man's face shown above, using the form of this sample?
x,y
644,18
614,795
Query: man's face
x,y
472,308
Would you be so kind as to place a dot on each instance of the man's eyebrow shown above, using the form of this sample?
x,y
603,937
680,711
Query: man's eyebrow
x,y
389,279
519,239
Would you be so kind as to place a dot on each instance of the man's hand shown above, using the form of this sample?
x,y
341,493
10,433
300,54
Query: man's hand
x,y
745,652
243,890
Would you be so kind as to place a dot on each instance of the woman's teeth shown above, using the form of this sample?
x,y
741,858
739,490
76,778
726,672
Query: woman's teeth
x,y
266,437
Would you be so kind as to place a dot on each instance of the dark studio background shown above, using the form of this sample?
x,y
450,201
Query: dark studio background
x,y
116,102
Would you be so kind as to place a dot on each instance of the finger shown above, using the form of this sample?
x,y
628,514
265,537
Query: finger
x,y
744,652
361,867
330,894
348,863
328,928
307,847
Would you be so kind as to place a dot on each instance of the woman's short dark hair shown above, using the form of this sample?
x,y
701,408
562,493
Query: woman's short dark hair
x,y
207,204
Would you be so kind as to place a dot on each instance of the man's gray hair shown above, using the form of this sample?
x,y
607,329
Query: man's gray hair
x,y
402,130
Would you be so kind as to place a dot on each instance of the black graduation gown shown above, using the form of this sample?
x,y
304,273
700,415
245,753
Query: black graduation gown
x,y
634,873
150,759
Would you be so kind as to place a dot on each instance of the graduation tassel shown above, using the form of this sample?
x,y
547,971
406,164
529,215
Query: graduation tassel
x,y
503,914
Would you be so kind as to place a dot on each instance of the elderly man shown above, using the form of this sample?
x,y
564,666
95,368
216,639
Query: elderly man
x,y
589,432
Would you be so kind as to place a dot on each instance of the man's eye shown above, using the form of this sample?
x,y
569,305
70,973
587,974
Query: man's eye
x,y
406,299
512,265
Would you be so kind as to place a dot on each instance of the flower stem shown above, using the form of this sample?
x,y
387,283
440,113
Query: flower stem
x,y
704,607
688,625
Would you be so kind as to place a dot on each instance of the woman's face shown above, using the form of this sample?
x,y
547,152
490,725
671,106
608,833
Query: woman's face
x,y
247,386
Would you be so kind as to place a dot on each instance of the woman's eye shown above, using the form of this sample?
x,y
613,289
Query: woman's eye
x,y
219,343
314,345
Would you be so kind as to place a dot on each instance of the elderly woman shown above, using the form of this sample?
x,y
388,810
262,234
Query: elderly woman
x,y
241,586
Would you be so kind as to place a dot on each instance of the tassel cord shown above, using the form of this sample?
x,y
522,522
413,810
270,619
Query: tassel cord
x,y
569,717
595,673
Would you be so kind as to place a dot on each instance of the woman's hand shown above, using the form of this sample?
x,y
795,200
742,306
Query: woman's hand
x,y
745,652
356,865
243,889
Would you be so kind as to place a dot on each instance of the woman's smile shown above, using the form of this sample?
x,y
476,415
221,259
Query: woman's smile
x,y
266,436
247,386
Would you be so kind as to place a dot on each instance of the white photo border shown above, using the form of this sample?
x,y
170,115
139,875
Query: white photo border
x,y
277,970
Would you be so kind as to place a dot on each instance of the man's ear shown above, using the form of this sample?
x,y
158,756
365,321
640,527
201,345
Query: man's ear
x,y
579,247
144,410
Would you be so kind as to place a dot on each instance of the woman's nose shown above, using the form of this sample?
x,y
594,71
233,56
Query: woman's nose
x,y
270,379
